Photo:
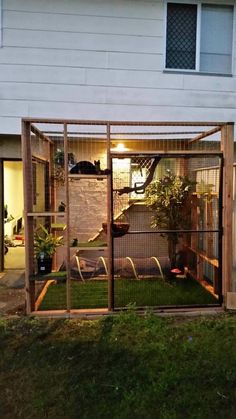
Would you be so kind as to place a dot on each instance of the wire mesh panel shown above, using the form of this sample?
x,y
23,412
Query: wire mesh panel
x,y
48,219
142,198
169,254
87,188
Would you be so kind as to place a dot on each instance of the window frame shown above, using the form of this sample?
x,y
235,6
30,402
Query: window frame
x,y
197,70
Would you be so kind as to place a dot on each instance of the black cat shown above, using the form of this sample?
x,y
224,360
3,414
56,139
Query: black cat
x,y
86,168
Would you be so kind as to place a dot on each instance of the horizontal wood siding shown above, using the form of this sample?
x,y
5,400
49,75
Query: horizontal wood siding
x,y
98,59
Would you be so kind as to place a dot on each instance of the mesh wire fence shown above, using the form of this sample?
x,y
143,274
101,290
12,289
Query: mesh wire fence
x,y
83,223
145,277
147,263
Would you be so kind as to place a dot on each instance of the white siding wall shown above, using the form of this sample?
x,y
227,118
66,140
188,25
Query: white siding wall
x,y
98,59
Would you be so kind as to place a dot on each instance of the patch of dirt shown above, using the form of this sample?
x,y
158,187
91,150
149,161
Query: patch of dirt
x,y
12,301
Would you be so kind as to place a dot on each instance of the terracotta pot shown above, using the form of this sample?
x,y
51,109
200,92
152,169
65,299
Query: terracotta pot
x,y
119,229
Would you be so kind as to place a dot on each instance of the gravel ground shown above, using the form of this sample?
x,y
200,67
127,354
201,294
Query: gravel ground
x,y
12,293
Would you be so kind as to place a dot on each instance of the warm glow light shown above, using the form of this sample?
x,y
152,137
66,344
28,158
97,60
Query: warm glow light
x,y
120,147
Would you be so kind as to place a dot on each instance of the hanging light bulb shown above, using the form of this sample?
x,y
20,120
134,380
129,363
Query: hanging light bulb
x,y
120,148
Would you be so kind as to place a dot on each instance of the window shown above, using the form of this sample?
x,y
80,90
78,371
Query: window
x,y
199,37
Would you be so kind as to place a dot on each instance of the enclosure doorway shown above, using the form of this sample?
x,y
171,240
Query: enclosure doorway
x,y
172,207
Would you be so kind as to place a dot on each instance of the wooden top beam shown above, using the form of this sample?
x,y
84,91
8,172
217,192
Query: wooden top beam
x,y
177,153
41,135
126,123
205,134
128,133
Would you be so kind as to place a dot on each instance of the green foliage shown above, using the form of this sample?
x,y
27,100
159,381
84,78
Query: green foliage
x,y
59,157
125,366
204,188
129,293
45,242
169,199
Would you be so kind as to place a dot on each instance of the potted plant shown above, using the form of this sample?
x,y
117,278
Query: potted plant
x,y
59,162
59,158
45,245
169,199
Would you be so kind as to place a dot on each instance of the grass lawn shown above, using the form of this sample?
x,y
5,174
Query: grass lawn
x,y
122,367
146,292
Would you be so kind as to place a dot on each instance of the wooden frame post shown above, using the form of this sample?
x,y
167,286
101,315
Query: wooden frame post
x,y
227,146
28,221
68,283
110,243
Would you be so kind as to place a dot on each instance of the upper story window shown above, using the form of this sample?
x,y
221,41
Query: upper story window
x,y
199,37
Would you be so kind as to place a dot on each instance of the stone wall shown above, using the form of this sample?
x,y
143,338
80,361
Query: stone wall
x,y
88,208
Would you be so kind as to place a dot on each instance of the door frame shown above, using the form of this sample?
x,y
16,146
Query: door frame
x,y
173,155
2,161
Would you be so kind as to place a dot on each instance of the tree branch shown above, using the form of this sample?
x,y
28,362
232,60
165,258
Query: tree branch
x,y
128,189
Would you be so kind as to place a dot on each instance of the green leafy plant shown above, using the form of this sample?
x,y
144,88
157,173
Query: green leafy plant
x,y
169,199
59,162
45,243
59,158
205,190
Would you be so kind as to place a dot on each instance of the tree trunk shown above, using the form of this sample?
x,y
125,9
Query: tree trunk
x,y
172,252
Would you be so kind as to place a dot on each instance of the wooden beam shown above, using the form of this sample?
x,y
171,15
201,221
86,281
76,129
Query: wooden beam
x,y
95,133
227,146
125,123
203,256
67,213
43,293
46,214
177,153
110,240
38,158
205,134
40,134
28,222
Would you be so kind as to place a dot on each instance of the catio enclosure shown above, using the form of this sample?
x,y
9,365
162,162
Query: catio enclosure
x,y
126,213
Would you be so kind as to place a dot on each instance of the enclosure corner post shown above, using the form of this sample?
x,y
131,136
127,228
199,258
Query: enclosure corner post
x,y
109,224
227,146
68,283
28,221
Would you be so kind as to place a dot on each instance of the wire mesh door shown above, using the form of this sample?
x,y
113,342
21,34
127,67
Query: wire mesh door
x,y
169,251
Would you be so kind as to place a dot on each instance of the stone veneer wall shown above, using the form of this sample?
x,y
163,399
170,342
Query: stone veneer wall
x,y
88,208
88,197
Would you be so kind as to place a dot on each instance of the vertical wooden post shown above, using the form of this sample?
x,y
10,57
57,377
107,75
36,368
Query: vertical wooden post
x,y
110,242
1,217
227,146
52,182
28,221
68,287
